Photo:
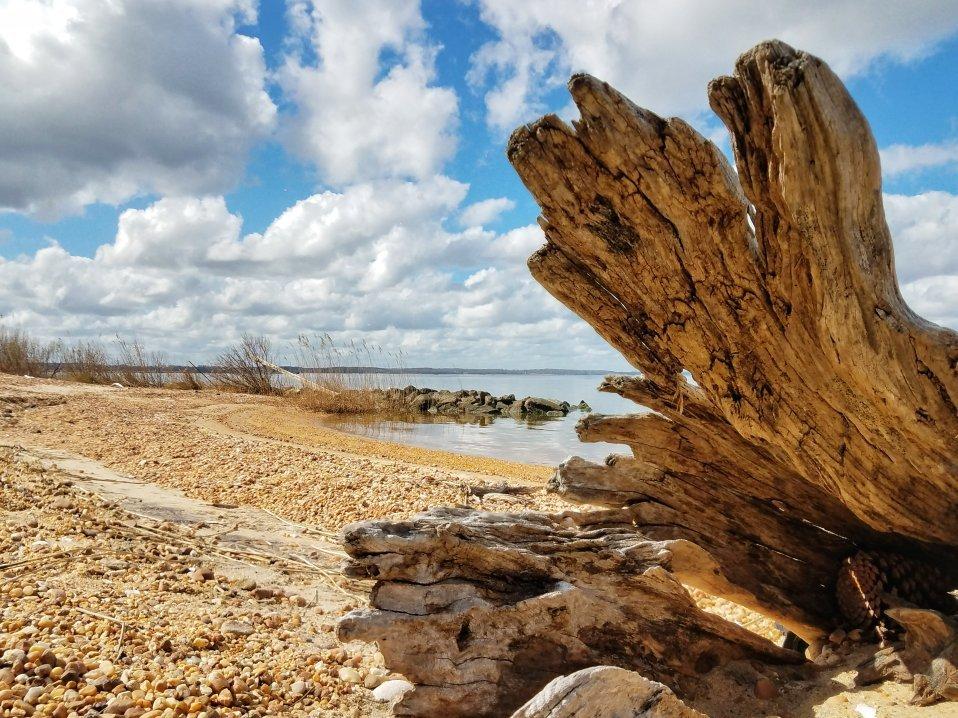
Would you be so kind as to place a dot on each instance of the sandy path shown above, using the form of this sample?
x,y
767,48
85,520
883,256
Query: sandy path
x,y
227,448
122,597
238,530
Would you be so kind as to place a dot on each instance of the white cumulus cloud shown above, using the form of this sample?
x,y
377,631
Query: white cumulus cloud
x,y
901,159
485,211
374,260
358,118
662,54
102,101
925,228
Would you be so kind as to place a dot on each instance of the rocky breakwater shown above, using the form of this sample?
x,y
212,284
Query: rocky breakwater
x,y
472,401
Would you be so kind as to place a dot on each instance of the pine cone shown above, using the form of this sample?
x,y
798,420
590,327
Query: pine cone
x,y
864,577
859,589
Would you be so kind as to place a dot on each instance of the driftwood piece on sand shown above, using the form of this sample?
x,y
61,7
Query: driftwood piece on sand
x,y
821,421
928,656
481,610
774,287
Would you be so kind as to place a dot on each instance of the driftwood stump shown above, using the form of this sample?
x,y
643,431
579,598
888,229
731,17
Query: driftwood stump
x,y
821,422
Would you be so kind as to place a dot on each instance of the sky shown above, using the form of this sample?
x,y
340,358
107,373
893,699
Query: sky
x,y
186,171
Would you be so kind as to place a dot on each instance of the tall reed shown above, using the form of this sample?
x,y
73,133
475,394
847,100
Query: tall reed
x,y
245,367
340,378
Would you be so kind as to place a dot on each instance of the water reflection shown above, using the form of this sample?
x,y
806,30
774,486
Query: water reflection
x,y
538,440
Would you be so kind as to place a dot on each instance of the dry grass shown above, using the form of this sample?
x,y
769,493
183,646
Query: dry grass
x,y
244,367
343,401
186,379
88,362
22,354
333,379
331,382
138,367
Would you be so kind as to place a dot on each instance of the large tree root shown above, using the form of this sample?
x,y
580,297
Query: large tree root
x,y
481,610
778,294
821,424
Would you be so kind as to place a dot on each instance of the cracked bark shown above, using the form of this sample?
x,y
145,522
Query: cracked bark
x,y
822,419
802,347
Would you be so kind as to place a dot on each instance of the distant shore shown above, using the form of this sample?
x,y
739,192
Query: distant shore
x,y
414,370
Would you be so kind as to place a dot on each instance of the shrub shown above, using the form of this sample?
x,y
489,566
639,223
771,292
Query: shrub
x,y
88,362
342,379
245,367
137,367
21,354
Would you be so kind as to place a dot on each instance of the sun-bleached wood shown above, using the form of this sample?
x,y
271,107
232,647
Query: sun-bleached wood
x,y
481,610
821,421
605,692
928,658
774,287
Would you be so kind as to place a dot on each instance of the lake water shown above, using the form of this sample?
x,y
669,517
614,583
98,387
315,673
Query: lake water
x,y
542,441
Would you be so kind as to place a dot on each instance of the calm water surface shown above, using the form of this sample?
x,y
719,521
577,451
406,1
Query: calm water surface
x,y
543,441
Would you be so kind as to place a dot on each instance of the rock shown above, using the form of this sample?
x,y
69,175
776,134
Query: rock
x,y
419,402
299,688
375,677
393,690
33,695
765,690
73,670
837,636
119,705
605,692
12,657
350,675
203,573
444,398
236,628
538,405
217,682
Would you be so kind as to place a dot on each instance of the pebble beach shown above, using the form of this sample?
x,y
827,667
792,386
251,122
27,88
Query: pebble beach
x,y
174,553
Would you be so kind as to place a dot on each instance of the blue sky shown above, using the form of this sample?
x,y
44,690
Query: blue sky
x,y
185,171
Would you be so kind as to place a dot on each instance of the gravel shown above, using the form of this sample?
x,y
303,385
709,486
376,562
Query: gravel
x,y
145,638
95,620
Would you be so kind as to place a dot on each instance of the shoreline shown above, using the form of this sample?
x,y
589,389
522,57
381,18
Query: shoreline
x,y
258,451
310,429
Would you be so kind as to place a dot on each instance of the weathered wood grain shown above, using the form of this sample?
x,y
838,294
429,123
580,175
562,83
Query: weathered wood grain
x,y
481,610
821,420
774,288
